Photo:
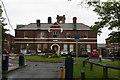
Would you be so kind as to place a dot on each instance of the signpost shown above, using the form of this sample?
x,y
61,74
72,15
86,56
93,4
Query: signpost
x,y
77,37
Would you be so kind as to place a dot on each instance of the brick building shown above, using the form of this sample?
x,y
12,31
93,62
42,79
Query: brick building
x,y
55,36
8,43
112,47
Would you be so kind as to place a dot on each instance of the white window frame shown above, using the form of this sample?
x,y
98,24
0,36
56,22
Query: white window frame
x,y
42,35
71,47
88,48
65,47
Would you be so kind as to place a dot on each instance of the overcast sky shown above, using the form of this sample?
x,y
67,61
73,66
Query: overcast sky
x,y
27,11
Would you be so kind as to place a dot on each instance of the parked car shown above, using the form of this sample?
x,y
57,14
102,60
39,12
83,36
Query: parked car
x,y
114,54
64,53
95,54
73,54
84,54
23,51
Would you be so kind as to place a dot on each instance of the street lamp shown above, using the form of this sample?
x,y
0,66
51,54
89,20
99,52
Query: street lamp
x,y
77,38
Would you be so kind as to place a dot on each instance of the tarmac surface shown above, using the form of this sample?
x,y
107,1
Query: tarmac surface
x,y
34,71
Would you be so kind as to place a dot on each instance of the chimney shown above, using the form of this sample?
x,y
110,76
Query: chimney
x,y
74,20
49,20
60,19
38,23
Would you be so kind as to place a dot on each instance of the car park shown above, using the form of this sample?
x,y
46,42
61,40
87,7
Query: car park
x,y
114,54
64,53
73,54
95,54
84,54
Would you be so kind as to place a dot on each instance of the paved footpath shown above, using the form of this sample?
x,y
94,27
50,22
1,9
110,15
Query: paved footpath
x,y
36,70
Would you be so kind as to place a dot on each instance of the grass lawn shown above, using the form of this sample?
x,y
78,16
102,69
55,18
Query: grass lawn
x,y
39,58
97,72
114,63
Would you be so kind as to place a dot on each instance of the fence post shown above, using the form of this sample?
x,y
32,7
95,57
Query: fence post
x,y
91,66
105,72
112,58
21,61
5,61
82,75
83,63
100,59
69,68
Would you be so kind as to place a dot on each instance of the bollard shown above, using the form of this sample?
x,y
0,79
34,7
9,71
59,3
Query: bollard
x,y
83,63
69,68
100,59
82,75
21,61
91,66
112,58
5,60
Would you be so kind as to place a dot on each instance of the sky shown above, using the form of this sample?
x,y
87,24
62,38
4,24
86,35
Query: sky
x,y
28,11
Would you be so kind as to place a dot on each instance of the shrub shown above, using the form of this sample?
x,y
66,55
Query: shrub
x,y
55,56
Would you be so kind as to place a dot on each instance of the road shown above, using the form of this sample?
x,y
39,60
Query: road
x,y
36,70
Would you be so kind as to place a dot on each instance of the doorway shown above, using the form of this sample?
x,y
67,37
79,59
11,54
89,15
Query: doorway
x,y
55,47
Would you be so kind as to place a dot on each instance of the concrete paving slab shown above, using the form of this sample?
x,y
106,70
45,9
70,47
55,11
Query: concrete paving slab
x,y
37,70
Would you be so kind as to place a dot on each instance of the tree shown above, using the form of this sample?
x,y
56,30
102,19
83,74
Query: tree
x,y
2,29
114,37
109,16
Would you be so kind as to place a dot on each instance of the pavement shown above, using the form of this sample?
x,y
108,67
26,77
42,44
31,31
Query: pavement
x,y
35,70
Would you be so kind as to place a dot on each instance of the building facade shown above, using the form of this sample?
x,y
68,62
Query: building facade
x,y
112,47
56,36
8,43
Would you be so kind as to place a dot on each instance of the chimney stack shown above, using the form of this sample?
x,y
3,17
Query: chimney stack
x,y
74,20
60,19
38,23
49,20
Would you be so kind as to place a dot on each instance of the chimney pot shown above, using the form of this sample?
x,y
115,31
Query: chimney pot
x,y
38,22
74,20
49,20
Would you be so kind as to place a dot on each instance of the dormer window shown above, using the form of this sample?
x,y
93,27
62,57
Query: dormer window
x,y
85,35
25,34
68,35
55,34
42,35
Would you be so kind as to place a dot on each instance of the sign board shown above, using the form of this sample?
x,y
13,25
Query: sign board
x,y
76,36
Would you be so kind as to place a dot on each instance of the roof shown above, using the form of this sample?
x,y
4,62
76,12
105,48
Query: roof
x,y
45,26
101,45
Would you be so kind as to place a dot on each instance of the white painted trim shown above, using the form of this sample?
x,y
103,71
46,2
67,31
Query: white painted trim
x,y
51,42
56,45
55,28
59,38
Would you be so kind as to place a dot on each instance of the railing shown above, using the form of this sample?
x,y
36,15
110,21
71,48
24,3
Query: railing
x,y
105,67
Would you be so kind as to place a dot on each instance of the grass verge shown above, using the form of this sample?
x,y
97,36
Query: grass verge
x,y
97,73
40,58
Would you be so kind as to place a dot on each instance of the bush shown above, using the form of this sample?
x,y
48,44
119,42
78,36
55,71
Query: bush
x,y
45,56
54,56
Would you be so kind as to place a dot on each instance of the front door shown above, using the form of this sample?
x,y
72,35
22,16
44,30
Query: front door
x,y
55,48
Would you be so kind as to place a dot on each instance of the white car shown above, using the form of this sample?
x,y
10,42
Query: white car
x,y
64,52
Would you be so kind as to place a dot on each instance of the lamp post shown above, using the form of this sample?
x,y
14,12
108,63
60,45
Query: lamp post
x,y
77,37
